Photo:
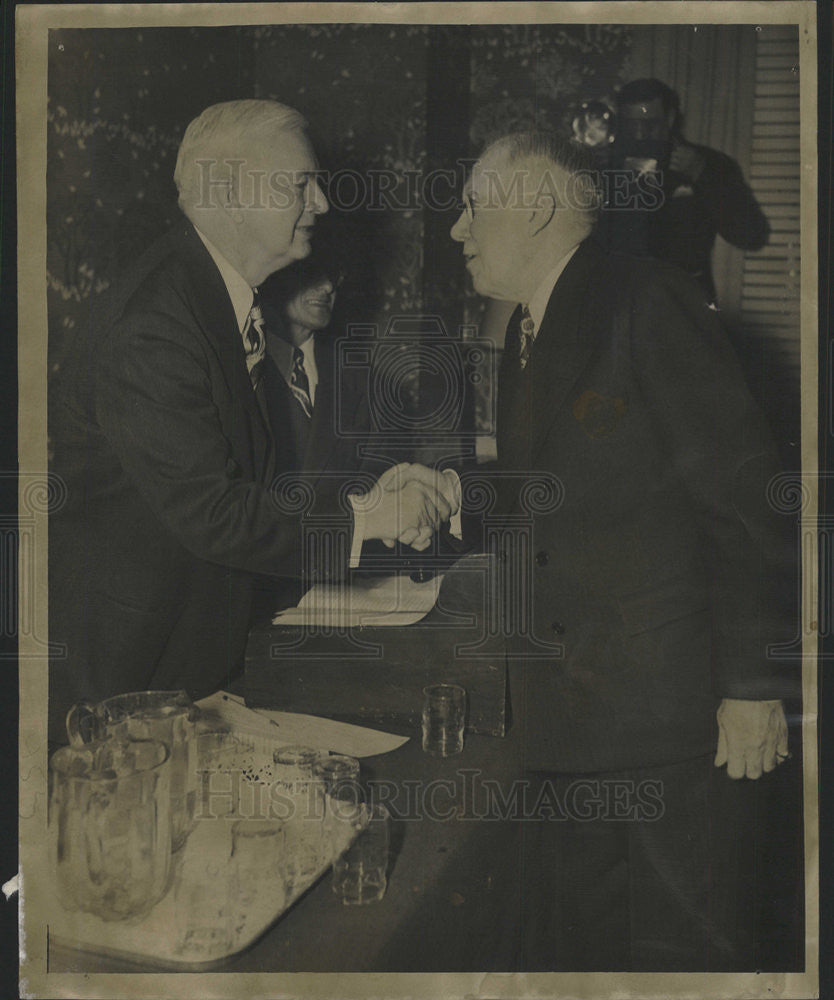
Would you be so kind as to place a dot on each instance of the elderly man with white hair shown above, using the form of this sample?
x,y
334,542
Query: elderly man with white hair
x,y
173,499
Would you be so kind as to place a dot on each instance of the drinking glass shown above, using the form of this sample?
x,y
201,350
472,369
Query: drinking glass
x,y
360,873
444,715
339,777
257,856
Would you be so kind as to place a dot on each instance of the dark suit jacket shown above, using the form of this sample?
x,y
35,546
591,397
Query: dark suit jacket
x,y
659,571
172,498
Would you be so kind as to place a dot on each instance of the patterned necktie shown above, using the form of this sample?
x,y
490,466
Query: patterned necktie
x,y
526,336
299,383
254,341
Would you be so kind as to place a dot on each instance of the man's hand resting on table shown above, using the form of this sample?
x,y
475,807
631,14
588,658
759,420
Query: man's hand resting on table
x,y
408,503
752,737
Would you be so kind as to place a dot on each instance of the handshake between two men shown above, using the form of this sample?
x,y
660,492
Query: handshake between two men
x,y
408,504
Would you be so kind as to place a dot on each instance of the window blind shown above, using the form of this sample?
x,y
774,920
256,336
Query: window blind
x,y
770,281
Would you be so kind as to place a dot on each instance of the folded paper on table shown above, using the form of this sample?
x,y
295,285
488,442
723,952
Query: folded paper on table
x,y
286,728
372,601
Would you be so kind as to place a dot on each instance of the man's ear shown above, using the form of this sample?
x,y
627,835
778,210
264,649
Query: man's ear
x,y
542,213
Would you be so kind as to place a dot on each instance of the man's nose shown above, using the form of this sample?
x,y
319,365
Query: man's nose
x,y
316,200
459,229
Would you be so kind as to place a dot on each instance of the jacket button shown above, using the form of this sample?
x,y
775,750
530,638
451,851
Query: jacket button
x,y
558,628
541,558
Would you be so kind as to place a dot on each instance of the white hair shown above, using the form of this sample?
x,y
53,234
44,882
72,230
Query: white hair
x,y
223,131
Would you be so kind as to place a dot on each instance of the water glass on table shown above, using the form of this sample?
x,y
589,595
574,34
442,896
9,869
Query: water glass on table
x,y
360,873
270,855
296,791
257,856
444,716
205,897
229,775
299,797
337,778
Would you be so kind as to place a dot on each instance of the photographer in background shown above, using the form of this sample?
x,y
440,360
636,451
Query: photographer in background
x,y
671,198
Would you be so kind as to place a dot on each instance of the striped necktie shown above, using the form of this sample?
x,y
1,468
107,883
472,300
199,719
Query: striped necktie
x,y
526,336
299,383
254,341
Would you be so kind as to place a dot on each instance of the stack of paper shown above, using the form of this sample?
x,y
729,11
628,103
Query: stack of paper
x,y
377,601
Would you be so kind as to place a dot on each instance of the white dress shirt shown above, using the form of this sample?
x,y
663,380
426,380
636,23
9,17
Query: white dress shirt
x,y
239,289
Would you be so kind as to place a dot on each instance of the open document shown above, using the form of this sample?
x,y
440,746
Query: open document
x,y
377,601
294,728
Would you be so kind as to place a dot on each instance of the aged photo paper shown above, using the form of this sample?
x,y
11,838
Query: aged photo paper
x,y
400,101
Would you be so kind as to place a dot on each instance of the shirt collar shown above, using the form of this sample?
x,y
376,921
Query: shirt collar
x,y
308,349
240,292
538,303
281,352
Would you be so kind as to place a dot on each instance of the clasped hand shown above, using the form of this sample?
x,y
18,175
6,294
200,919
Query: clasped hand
x,y
408,503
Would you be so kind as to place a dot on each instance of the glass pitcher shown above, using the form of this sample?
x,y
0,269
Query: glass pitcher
x,y
110,826
168,716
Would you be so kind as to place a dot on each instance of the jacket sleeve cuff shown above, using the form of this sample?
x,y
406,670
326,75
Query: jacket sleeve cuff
x,y
453,495
358,532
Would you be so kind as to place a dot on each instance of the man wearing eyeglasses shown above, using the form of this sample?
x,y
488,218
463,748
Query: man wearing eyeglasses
x,y
657,576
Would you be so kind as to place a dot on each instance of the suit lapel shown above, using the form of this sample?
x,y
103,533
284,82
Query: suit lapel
x,y
323,433
512,386
333,411
213,311
563,346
